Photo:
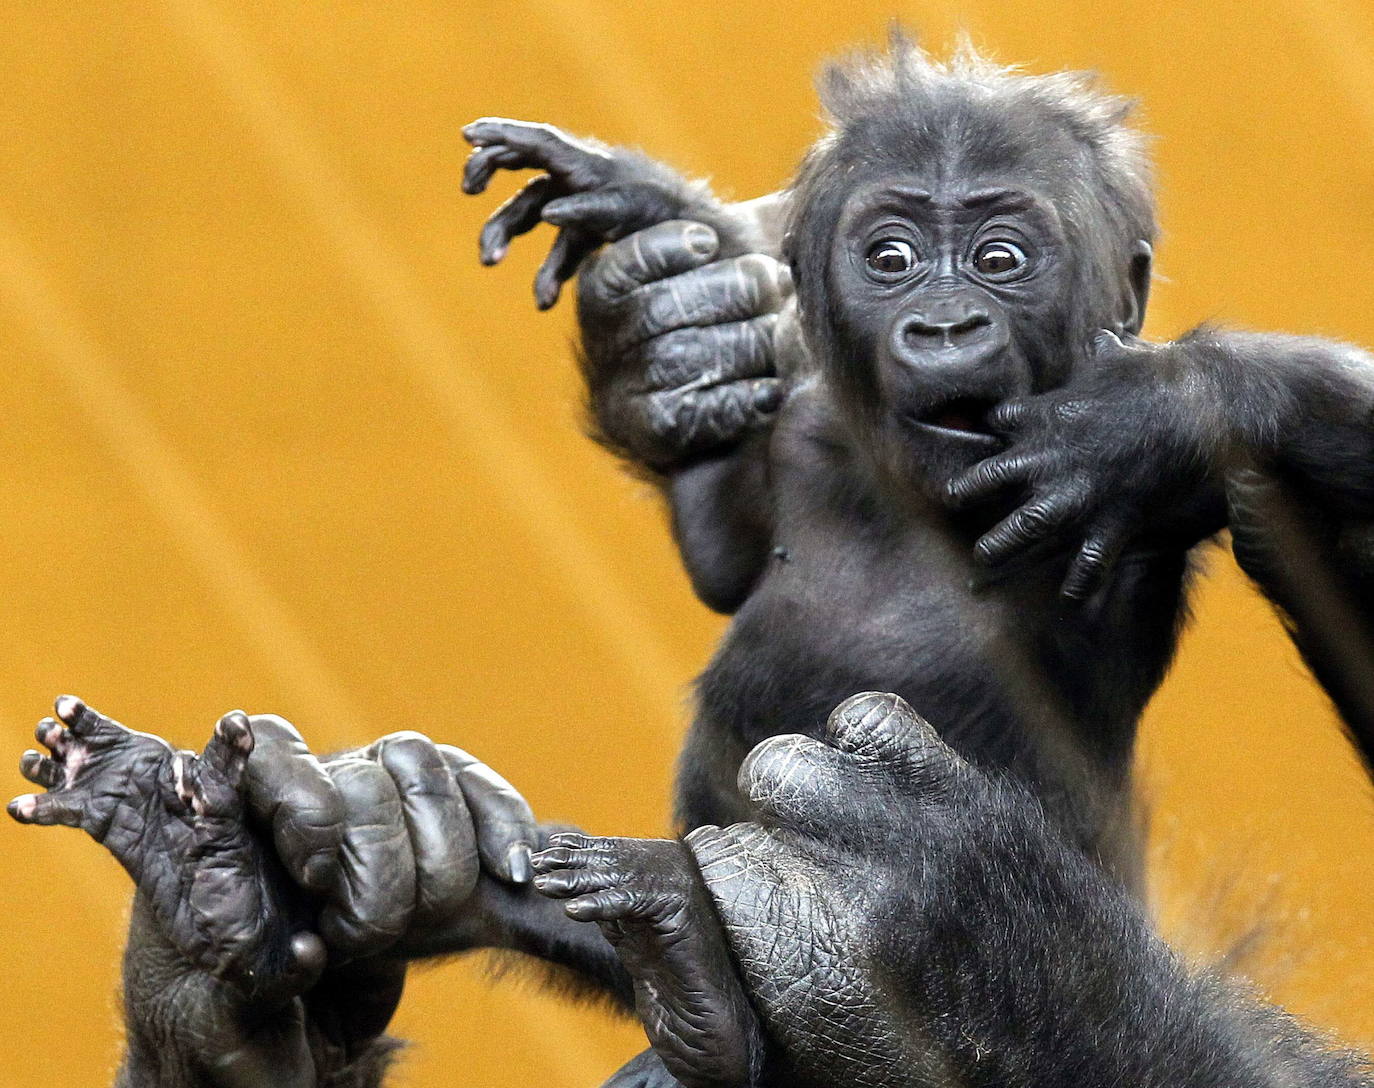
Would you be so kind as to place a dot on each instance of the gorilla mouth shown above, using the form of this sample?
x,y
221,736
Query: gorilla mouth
x,y
964,416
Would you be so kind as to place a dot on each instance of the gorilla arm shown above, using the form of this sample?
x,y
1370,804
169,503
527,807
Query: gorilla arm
x,y
897,917
1167,443
678,328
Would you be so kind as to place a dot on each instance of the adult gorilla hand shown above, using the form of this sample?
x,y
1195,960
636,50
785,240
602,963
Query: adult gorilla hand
x,y
678,346
393,840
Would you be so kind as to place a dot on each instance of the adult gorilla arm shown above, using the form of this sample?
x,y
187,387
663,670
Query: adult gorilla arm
x,y
394,852
896,917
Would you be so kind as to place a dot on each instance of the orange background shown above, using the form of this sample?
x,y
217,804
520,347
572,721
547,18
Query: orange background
x,y
273,439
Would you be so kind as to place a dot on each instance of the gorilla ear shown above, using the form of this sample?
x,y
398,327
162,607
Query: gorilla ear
x,y
1142,263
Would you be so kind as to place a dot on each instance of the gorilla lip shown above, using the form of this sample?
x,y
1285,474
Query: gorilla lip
x,y
963,416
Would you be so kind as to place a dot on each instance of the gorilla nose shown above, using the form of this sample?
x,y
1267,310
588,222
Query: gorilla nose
x,y
945,325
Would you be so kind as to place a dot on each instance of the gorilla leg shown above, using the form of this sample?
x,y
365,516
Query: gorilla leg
x,y
650,903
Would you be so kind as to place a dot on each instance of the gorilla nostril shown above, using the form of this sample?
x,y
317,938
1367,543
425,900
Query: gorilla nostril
x,y
946,327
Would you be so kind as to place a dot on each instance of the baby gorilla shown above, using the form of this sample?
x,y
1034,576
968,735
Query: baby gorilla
x,y
208,894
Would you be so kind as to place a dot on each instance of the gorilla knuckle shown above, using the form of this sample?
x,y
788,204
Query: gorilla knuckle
x,y
662,415
1071,410
674,359
1033,520
777,765
761,281
880,725
273,728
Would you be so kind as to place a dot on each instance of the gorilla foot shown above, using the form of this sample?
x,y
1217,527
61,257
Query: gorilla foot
x,y
175,822
648,899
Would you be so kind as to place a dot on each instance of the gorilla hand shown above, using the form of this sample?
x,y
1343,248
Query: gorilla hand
x,y
678,347
593,193
393,837
1123,455
219,950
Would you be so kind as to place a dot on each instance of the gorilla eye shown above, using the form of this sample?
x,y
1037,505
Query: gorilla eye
x,y
998,258
891,257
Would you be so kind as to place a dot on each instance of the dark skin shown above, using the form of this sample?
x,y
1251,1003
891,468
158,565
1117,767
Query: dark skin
x,y
949,484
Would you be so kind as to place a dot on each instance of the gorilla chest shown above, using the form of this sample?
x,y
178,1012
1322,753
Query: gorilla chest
x,y
830,620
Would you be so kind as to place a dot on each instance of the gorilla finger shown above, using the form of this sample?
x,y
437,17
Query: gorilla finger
x,y
505,825
603,212
990,478
613,211
731,290
569,250
375,895
84,722
710,355
559,857
287,790
796,782
483,163
575,840
46,809
51,734
229,747
1010,415
518,215
695,420
436,816
647,257
1093,564
566,883
581,164
40,770
602,906
882,727
1026,527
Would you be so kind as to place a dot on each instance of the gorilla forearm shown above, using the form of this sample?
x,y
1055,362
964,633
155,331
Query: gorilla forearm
x,y
1296,420
1300,404
722,524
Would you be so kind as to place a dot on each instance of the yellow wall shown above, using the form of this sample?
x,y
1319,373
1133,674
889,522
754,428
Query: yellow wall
x,y
272,438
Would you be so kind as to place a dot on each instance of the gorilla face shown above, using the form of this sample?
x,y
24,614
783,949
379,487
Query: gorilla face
x,y
946,296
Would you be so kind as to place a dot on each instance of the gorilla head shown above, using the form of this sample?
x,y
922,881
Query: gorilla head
x,y
958,238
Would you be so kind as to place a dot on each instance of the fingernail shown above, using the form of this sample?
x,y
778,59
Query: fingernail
x,y
66,706
518,863
767,397
317,872
700,239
